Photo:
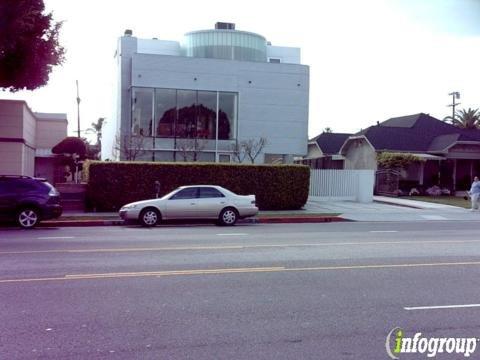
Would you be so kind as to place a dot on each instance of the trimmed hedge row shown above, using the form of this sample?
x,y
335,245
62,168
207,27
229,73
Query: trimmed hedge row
x,y
114,184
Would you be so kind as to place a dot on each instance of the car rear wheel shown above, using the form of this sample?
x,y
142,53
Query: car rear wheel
x,y
228,217
28,218
149,217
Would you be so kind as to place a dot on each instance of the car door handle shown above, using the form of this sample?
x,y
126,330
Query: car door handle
x,y
222,202
192,204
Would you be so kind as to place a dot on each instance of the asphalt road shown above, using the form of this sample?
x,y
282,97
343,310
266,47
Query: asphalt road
x,y
299,291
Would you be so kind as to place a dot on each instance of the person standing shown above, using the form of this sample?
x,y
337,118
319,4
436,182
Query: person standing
x,y
475,193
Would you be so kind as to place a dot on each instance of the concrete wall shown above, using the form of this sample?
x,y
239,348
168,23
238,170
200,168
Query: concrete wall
x,y
273,98
359,155
11,113
11,160
51,129
29,127
286,55
17,138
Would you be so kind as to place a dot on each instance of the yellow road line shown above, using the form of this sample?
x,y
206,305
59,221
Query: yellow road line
x,y
383,266
147,274
236,271
237,247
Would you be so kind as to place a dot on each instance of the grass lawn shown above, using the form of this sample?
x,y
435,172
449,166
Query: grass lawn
x,y
447,200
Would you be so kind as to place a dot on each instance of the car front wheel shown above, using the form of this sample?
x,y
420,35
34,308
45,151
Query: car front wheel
x,y
149,217
27,218
228,217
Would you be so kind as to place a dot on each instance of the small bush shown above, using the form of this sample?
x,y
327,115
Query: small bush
x,y
276,187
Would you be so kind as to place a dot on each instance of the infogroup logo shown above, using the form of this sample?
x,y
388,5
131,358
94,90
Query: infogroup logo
x,y
397,343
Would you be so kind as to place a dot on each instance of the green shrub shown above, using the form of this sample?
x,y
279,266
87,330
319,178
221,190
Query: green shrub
x,y
393,160
276,187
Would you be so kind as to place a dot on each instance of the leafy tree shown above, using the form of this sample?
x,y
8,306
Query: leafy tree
x,y
71,145
465,119
29,46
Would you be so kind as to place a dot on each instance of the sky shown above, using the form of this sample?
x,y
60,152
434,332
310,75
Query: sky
x,y
369,60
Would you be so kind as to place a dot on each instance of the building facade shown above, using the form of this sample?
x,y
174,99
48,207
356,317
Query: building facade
x,y
202,97
26,141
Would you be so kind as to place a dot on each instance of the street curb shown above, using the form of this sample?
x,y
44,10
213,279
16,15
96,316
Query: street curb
x,y
261,220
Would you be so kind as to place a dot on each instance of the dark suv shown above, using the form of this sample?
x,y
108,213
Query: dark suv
x,y
28,200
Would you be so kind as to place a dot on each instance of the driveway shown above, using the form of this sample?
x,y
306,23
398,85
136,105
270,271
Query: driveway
x,y
394,210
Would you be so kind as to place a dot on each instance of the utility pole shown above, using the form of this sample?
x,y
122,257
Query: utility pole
x,y
78,112
455,96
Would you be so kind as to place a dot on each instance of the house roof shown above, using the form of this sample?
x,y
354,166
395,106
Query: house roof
x,y
417,133
330,143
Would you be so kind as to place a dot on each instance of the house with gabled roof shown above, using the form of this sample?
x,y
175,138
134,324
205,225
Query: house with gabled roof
x,y
450,156
323,151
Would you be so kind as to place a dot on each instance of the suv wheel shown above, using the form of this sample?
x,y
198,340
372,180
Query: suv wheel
x,y
27,218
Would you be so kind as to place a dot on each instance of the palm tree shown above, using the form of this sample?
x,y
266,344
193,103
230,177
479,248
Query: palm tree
x,y
465,119
97,129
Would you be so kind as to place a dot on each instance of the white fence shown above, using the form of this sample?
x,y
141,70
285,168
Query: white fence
x,y
356,185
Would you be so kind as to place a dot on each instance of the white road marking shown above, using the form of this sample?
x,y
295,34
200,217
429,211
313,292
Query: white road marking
x,y
442,307
383,231
232,234
433,217
55,237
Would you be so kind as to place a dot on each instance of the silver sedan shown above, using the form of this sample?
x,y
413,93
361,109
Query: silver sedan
x,y
192,202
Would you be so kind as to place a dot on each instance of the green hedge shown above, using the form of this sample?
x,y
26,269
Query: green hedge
x,y
113,184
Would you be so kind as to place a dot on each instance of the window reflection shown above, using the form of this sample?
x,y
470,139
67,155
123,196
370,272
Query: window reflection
x,y
142,121
165,111
227,113
207,110
187,114
184,113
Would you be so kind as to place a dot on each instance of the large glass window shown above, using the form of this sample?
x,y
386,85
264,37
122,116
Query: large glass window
x,y
165,112
184,114
142,112
227,114
207,114
187,114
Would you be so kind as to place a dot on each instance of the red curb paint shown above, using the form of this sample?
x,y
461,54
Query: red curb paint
x,y
261,220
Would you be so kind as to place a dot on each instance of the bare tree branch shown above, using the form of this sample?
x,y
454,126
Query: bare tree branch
x,y
130,147
189,149
253,147
238,152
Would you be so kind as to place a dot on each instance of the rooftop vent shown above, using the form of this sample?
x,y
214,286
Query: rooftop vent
x,y
224,26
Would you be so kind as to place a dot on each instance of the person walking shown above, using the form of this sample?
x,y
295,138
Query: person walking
x,y
475,193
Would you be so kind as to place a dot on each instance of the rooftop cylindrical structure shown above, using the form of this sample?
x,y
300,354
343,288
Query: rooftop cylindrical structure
x,y
225,44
